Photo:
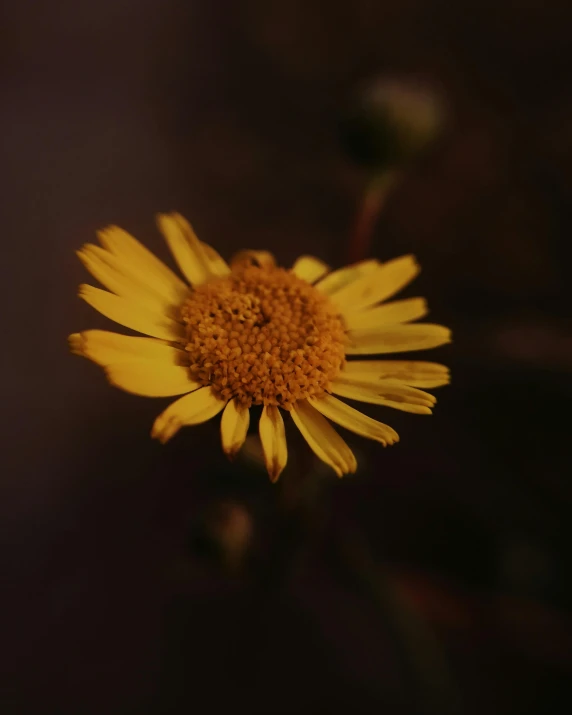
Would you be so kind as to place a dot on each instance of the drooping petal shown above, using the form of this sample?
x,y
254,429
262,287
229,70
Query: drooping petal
x,y
389,393
397,338
398,311
354,420
323,439
234,427
188,251
378,285
192,409
273,439
105,348
141,263
264,259
108,270
337,280
151,378
414,373
131,315
309,268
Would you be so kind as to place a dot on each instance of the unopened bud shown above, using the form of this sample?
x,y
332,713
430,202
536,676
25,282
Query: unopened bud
x,y
391,123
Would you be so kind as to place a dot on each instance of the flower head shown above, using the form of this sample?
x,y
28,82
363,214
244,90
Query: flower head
x,y
251,333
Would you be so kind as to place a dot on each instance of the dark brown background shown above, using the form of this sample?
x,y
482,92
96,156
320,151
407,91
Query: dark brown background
x,y
228,112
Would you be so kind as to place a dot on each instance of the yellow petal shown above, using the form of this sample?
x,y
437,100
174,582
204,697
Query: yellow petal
x,y
108,270
273,439
234,427
141,263
309,269
389,393
393,276
337,280
354,420
218,266
192,409
151,378
264,259
378,285
129,314
188,251
75,344
323,438
397,338
414,373
398,311
105,348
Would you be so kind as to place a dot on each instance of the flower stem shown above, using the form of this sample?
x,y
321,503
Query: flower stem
x,y
374,198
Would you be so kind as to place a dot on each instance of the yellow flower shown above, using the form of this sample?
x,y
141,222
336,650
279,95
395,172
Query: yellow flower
x,y
255,334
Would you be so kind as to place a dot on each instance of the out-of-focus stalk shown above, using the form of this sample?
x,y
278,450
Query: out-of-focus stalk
x,y
372,204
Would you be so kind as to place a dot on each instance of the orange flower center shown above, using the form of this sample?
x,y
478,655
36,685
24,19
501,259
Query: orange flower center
x,y
263,336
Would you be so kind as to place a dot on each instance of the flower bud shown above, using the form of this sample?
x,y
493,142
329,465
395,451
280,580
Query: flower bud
x,y
391,123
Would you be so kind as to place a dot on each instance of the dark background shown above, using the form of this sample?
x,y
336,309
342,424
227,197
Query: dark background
x,y
112,598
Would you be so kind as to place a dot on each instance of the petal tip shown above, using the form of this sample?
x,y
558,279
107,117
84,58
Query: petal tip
x,y
274,471
163,430
75,343
232,452
105,234
161,218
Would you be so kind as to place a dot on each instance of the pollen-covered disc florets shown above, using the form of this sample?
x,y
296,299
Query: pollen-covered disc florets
x,y
263,336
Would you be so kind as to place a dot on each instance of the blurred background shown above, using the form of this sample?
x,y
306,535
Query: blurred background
x,y
147,579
